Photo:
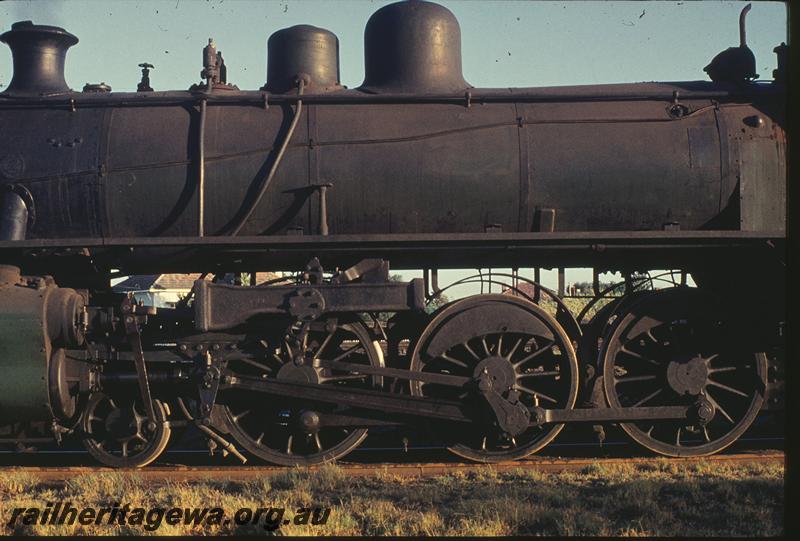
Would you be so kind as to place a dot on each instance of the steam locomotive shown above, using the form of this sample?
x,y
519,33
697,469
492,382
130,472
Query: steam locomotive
x,y
416,168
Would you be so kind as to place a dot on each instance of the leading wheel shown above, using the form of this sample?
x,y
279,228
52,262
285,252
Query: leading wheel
x,y
522,345
288,431
118,434
674,348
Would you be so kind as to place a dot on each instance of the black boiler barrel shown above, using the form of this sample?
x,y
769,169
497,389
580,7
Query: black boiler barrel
x,y
396,168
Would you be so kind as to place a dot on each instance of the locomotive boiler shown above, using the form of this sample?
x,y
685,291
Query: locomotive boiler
x,y
416,168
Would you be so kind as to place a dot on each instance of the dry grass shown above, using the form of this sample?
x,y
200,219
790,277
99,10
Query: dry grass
x,y
662,498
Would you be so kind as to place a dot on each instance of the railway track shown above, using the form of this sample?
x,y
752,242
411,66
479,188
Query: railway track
x,y
173,472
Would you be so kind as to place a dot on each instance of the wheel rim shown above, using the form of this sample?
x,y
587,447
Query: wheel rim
x,y
500,329
271,428
590,347
671,349
117,432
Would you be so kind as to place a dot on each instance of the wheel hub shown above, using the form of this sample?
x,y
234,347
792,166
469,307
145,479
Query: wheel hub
x,y
300,374
688,378
309,421
495,373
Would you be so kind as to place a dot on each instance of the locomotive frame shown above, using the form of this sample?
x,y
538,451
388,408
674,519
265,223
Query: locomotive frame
x,y
94,364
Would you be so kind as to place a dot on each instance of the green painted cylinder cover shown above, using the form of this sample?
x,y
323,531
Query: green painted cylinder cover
x,y
31,330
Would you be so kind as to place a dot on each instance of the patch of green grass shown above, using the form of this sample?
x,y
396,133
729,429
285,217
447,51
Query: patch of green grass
x,y
661,498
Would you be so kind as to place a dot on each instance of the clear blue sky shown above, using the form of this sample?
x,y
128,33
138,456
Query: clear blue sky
x,y
504,43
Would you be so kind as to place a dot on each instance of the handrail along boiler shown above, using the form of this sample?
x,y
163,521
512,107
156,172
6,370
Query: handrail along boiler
x,y
417,168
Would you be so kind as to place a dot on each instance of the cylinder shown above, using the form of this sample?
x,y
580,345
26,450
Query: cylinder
x,y
39,53
36,323
306,51
413,46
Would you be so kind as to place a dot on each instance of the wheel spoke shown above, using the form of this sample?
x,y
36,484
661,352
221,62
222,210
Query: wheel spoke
x,y
452,360
722,369
260,438
631,379
138,418
727,388
524,389
324,343
499,351
317,442
718,407
471,351
534,355
256,364
348,352
125,448
486,346
539,374
626,351
705,434
514,349
243,414
289,444
647,398
678,437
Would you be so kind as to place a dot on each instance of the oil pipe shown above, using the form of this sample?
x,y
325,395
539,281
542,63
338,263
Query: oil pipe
x,y
201,174
301,83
